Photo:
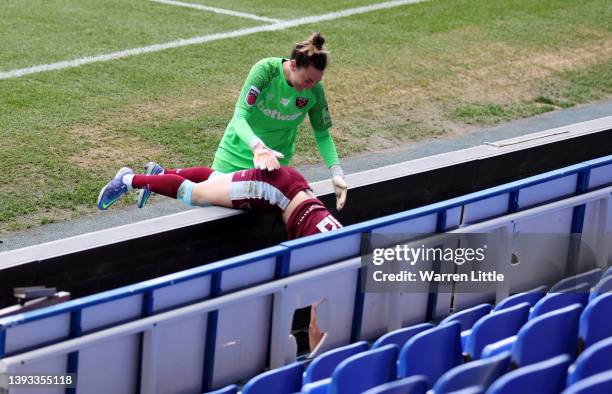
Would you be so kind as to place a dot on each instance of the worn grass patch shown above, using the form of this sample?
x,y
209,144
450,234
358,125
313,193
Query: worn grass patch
x,y
491,113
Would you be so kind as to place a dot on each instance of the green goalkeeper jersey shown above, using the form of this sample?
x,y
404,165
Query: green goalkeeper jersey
x,y
270,109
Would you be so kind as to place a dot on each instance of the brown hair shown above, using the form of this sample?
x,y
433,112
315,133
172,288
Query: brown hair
x,y
311,52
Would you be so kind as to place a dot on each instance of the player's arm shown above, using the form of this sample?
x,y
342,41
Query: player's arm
x,y
259,77
321,123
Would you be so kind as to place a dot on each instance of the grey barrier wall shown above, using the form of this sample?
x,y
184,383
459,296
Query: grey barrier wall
x,y
380,192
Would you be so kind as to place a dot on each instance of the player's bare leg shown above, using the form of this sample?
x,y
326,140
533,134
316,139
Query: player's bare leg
x,y
315,334
214,191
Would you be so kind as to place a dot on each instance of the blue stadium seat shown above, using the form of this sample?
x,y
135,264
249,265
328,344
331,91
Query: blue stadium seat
x,y
544,377
365,370
495,327
571,295
534,341
413,385
323,366
287,379
591,277
475,373
603,286
467,318
607,273
401,336
595,359
596,384
531,297
231,389
596,320
470,390
548,335
431,353
318,387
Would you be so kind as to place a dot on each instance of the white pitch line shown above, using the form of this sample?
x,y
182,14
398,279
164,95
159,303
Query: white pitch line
x,y
217,10
202,39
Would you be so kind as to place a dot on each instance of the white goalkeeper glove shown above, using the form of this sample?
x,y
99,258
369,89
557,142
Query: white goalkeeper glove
x,y
340,186
264,157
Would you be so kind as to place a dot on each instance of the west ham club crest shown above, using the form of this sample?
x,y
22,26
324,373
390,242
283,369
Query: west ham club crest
x,y
251,96
301,102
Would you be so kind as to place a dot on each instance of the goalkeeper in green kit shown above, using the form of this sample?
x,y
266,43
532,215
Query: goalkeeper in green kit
x,y
276,97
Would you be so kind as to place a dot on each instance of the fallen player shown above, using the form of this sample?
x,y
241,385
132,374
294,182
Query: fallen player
x,y
284,191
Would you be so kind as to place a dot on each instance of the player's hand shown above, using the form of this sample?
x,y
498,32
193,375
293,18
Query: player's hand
x,y
265,158
340,186
340,189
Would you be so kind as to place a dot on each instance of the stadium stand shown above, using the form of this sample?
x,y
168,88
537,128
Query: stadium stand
x,y
607,273
412,385
365,370
572,295
401,336
231,389
476,373
467,318
533,343
470,390
590,277
603,286
228,322
495,327
596,321
592,361
431,353
323,366
318,387
531,297
286,379
596,384
544,377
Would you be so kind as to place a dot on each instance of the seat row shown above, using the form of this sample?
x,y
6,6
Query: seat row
x,y
536,335
481,328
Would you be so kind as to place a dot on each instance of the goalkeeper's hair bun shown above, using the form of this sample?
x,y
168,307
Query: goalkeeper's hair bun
x,y
317,41
311,52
